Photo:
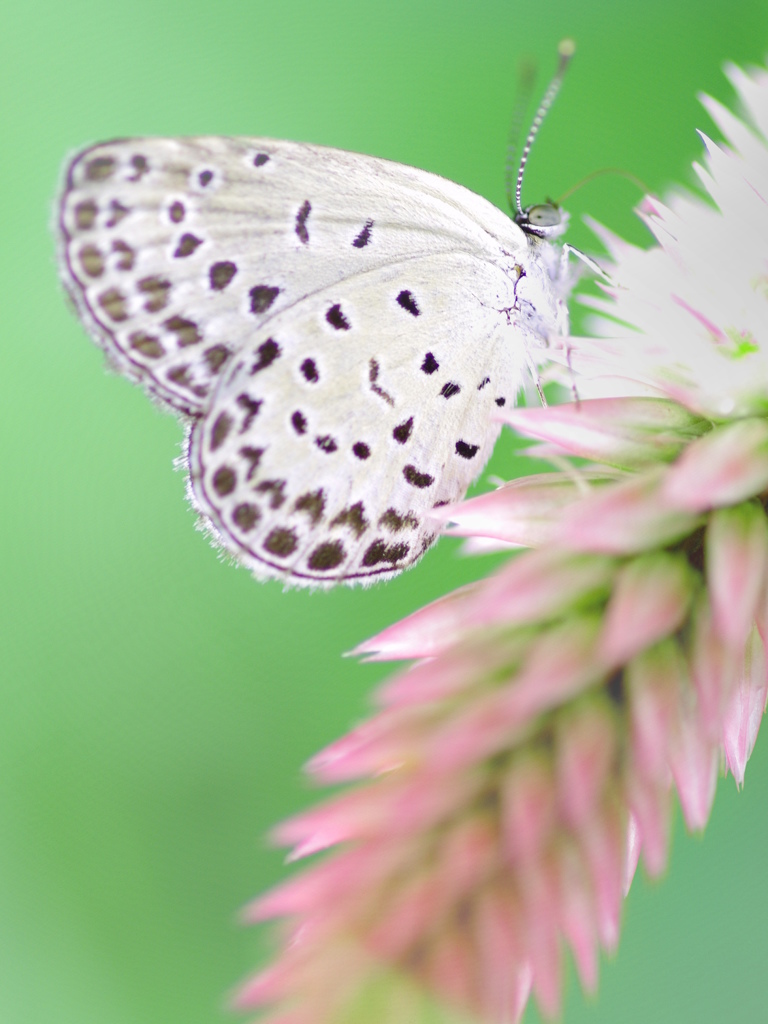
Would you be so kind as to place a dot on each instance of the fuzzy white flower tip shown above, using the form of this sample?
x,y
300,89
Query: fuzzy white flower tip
x,y
690,315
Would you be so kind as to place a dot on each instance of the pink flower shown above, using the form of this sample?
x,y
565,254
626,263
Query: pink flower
x,y
513,776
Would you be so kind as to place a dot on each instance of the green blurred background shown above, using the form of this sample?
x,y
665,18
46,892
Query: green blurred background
x,y
157,704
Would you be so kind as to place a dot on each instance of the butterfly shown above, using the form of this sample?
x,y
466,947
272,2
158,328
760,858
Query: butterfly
x,y
337,332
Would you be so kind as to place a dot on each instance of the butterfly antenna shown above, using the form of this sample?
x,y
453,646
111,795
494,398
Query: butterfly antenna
x,y
565,50
526,80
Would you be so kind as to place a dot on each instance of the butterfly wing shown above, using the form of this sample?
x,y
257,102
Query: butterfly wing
x,y
354,412
338,329
176,250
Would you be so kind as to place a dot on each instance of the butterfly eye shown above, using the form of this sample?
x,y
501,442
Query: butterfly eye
x,y
543,221
544,216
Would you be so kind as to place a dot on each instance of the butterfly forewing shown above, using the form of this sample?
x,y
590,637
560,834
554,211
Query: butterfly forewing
x,y
340,329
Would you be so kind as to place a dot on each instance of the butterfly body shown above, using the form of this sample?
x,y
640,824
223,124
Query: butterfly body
x,y
337,331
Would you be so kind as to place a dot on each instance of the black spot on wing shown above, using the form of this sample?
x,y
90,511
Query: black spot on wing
x,y
417,479
221,428
326,444
501,401
250,407
274,488
186,331
245,516
260,159
301,222
309,371
267,353
126,255
373,376
430,364
450,389
403,431
353,517
140,166
221,274
100,168
336,318
156,290
113,302
91,260
253,457
364,237
380,551
216,356
205,178
282,541
147,344
224,481
262,297
467,451
116,213
396,522
313,503
326,556
182,377
187,245
299,422
85,215
361,450
483,382
407,301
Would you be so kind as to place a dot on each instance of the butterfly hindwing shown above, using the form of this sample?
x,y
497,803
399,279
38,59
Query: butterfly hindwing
x,y
353,413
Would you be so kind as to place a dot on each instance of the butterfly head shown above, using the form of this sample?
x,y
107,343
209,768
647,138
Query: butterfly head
x,y
544,220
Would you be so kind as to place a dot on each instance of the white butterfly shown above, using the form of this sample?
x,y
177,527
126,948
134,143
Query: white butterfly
x,y
337,332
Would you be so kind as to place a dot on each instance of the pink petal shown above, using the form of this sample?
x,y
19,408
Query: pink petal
x,y
424,633
713,669
651,809
541,898
625,432
348,816
654,683
650,601
315,889
407,916
562,663
522,512
300,894
745,709
536,585
632,854
624,518
603,844
527,807
400,806
505,974
577,915
450,969
726,466
539,585
266,987
440,678
469,854
585,749
693,761
376,746
737,557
